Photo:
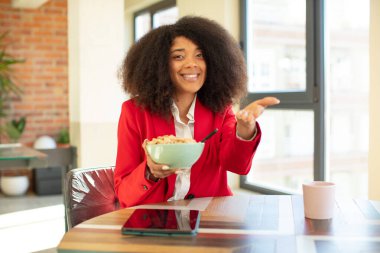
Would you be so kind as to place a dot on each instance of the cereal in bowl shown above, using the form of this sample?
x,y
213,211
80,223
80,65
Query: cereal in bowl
x,y
170,139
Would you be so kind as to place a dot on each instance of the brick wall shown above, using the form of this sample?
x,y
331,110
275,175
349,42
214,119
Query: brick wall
x,y
40,37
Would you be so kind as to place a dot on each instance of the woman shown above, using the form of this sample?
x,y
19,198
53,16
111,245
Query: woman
x,y
183,80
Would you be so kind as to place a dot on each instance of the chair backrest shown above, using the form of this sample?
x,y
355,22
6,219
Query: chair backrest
x,y
88,192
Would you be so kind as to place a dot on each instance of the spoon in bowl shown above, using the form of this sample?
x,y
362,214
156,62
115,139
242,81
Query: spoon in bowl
x,y
209,135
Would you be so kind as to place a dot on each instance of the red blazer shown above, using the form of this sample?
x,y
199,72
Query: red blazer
x,y
223,152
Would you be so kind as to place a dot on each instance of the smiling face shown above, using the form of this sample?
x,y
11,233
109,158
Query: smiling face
x,y
187,67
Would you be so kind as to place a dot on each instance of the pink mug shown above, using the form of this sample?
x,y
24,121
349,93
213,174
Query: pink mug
x,y
319,200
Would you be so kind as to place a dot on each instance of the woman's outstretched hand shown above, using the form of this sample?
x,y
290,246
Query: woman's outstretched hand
x,y
246,118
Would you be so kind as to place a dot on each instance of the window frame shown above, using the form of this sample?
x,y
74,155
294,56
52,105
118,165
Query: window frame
x,y
312,99
152,9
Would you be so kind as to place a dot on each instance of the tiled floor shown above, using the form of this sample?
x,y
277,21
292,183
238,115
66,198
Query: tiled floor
x,y
36,222
26,202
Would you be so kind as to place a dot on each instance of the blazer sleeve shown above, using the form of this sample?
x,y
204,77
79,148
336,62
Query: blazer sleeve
x,y
131,186
235,154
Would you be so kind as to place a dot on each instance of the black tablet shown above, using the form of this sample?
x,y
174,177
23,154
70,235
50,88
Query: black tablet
x,y
162,222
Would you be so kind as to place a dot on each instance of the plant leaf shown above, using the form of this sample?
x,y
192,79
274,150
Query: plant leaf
x,y
12,132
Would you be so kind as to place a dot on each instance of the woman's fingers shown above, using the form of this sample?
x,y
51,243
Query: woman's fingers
x,y
157,170
165,167
258,110
267,101
162,171
144,146
245,116
242,114
257,107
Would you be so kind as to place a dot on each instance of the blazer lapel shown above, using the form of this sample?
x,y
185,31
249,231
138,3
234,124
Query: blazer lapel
x,y
162,126
204,121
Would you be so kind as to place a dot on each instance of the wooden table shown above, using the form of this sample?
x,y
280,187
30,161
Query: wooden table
x,y
244,223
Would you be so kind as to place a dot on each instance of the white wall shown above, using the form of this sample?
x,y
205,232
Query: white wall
x,y
96,49
225,12
374,118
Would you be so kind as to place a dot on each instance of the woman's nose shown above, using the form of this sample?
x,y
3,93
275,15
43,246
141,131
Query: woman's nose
x,y
190,62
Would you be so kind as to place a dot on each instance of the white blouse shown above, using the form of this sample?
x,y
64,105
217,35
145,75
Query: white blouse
x,y
182,183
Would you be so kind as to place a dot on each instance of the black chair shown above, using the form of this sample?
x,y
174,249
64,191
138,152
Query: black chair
x,y
88,192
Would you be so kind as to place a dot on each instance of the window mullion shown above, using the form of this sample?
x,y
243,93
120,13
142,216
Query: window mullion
x,y
317,52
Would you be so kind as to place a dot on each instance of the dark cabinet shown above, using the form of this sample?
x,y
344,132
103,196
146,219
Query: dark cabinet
x,y
49,180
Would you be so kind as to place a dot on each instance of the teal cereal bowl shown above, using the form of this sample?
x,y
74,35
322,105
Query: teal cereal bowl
x,y
179,155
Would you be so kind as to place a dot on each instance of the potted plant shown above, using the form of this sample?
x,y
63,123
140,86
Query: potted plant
x,y
8,88
63,139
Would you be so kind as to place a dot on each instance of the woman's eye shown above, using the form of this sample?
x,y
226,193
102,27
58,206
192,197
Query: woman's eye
x,y
178,57
200,55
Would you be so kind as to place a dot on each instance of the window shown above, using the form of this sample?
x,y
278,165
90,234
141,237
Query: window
x,y
347,94
314,58
162,13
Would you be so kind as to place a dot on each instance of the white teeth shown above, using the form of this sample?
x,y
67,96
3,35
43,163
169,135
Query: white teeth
x,y
190,77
